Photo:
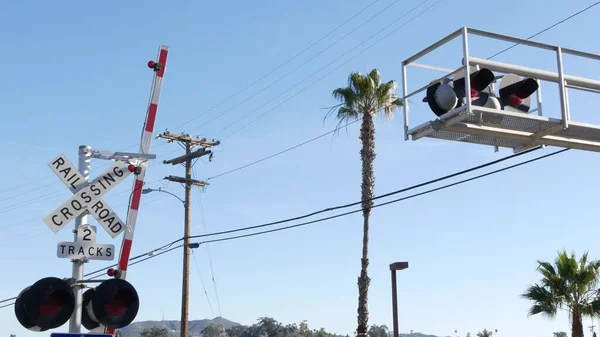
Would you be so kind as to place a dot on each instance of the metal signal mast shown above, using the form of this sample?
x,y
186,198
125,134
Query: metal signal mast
x,y
473,112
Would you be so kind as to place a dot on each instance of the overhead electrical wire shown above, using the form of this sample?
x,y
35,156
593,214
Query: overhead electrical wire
x,y
329,209
244,101
210,260
281,152
203,284
281,65
330,63
169,247
548,28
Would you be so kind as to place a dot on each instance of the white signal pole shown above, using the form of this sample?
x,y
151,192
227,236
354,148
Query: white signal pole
x,y
85,157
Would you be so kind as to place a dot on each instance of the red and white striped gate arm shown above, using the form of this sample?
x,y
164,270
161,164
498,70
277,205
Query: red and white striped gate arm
x,y
159,71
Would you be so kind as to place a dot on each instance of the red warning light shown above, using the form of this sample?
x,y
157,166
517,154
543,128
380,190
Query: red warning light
x,y
117,305
474,93
110,272
52,305
131,168
151,64
515,100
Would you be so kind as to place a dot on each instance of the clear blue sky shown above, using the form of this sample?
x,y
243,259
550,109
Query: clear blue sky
x,y
75,73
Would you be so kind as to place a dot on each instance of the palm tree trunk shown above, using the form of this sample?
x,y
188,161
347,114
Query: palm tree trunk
x,y
367,153
577,324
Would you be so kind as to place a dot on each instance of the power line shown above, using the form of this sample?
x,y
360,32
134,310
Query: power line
x,y
448,176
104,269
382,204
203,285
330,63
153,254
329,209
390,193
298,67
547,28
280,152
210,260
281,65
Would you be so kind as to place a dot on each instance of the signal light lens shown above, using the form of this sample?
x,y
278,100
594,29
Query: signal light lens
x,y
514,100
52,304
151,64
110,272
114,303
47,304
131,168
117,305
515,92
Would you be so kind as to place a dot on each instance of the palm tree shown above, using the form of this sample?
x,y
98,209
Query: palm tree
x,y
484,333
570,285
365,97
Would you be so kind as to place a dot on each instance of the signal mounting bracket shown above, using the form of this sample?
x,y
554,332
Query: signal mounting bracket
x,y
504,126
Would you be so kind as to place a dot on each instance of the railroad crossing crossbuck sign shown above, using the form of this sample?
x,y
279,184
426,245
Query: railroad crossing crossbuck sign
x,y
87,195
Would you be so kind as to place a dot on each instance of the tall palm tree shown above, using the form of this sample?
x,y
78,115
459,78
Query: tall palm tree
x,y
364,97
570,285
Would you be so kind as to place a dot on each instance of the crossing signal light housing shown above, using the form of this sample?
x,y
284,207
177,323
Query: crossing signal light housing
x,y
134,169
114,304
45,305
443,97
515,92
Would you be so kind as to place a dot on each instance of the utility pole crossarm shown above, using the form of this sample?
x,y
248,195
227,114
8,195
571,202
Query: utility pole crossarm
x,y
180,137
181,159
184,180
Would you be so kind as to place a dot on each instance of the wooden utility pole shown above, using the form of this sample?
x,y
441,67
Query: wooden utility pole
x,y
188,142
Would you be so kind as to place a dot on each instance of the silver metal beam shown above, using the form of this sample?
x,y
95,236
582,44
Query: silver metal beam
x,y
428,67
544,75
434,46
124,156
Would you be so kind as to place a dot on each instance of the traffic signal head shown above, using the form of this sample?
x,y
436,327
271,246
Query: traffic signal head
x,y
480,80
47,304
114,304
443,97
515,92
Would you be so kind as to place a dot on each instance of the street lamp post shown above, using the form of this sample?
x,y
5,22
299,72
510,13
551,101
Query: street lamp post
x,y
149,190
393,268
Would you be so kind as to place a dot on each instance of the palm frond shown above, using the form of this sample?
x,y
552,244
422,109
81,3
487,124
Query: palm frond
x,y
365,94
544,301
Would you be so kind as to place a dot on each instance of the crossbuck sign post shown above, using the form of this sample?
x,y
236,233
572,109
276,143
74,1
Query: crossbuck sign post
x,y
88,198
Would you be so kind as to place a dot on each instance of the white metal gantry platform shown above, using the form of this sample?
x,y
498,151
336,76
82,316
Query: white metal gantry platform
x,y
501,127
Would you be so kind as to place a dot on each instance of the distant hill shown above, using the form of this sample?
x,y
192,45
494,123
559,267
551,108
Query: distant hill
x,y
195,327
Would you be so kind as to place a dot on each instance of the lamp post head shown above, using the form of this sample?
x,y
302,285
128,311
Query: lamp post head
x,y
399,266
147,190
